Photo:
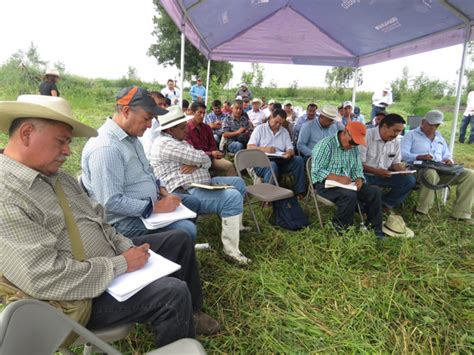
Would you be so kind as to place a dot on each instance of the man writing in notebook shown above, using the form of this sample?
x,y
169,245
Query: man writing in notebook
x,y
46,220
337,158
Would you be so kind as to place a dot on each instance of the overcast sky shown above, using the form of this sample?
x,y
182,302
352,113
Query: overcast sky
x,y
102,38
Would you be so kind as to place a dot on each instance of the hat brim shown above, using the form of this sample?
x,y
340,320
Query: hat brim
x,y
174,122
11,110
408,232
334,118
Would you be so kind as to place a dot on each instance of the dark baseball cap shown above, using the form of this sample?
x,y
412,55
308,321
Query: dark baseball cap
x,y
136,96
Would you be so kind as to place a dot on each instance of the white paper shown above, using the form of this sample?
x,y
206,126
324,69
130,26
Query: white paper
x,y
210,187
332,183
126,285
403,172
160,220
276,154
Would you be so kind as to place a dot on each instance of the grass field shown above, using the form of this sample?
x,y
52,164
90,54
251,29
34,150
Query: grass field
x,y
312,291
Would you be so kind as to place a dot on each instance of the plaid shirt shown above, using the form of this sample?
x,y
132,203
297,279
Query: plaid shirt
x,y
211,117
168,155
329,158
231,124
35,249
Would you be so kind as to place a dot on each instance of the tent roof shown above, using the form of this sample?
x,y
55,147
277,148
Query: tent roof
x,y
321,32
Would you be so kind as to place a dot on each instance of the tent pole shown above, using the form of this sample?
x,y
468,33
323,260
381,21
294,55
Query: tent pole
x,y
354,87
181,79
452,139
467,34
207,80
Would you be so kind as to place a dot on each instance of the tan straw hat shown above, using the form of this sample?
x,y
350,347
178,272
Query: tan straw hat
x,y
174,117
395,226
330,112
41,106
52,71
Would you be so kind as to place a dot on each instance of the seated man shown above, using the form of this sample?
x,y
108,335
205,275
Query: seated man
x,y
178,164
310,114
199,135
244,92
36,232
348,116
313,131
425,143
215,119
256,116
382,156
271,137
117,174
237,129
267,111
337,158
376,120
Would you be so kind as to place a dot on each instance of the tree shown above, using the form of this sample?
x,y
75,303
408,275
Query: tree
x,y
167,50
341,77
254,77
132,74
400,85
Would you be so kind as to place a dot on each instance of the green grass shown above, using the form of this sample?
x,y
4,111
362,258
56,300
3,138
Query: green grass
x,y
312,291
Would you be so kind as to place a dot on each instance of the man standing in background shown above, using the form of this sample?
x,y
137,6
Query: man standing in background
x,y
381,100
468,118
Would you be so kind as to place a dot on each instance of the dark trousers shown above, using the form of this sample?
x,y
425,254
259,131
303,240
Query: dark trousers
x,y
166,304
346,202
400,187
463,128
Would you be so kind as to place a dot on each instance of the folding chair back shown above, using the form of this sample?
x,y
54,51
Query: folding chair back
x,y
252,158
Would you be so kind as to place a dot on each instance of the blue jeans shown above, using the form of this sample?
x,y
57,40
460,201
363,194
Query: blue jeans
x,y
400,187
234,147
226,203
166,304
462,130
375,110
295,166
133,226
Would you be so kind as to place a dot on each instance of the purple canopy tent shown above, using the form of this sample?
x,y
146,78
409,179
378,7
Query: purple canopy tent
x,y
350,33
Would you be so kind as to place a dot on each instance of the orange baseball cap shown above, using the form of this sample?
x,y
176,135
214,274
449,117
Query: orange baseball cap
x,y
357,131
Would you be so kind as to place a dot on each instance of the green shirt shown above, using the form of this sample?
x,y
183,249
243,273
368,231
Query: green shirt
x,y
330,158
35,249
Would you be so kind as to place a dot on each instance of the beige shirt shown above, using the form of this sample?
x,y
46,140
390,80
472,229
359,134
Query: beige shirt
x,y
380,154
35,249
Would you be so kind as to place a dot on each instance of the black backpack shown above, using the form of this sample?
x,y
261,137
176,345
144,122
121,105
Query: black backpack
x,y
288,214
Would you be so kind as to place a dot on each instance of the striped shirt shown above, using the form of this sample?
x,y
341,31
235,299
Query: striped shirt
x,y
35,249
117,173
168,155
329,158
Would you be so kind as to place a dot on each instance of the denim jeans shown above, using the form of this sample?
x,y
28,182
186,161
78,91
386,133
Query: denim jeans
x,y
346,202
375,110
462,130
133,226
400,187
295,166
234,147
226,203
167,304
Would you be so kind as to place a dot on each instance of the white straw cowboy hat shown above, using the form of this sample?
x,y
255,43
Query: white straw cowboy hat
x,y
395,226
174,117
330,112
52,71
41,106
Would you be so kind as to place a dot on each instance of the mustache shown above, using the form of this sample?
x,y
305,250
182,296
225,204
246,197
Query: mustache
x,y
61,158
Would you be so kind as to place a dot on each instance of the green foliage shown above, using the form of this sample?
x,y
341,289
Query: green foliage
x,y
167,50
254,77
341,77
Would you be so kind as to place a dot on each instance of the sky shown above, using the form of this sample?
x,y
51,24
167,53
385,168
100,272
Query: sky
x,y
102,38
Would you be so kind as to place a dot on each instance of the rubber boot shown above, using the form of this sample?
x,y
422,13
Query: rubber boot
x,y
230,240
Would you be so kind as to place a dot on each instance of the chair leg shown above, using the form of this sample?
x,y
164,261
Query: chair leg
x,y
437,201
360,214
317,207
253,213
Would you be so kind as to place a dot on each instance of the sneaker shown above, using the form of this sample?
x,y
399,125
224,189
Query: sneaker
x,y
205,324
239,259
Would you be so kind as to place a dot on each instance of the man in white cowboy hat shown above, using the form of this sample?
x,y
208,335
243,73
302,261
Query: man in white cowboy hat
x,y
267,111
55,243
313,131
117,174
426,143
256,115
48,86
381,100
178,164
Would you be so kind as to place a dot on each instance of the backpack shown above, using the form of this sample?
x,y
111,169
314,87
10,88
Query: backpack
x,y
288,214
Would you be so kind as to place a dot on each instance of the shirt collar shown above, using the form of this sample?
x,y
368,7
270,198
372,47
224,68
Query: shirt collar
x,y
22,172
192,124
377,136
115,129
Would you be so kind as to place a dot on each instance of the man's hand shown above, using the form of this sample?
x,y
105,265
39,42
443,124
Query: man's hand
x,y
448,162
242,130
346,180
167,204
288,154
136,257
269,149
217,154
424,157
382,173
188,169
359,183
